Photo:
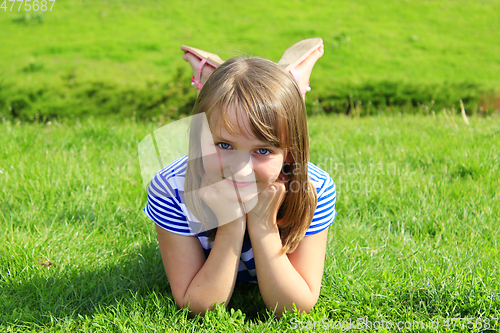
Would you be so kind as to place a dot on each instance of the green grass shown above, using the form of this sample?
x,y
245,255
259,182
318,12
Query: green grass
x,y
416,236
130,41
52,61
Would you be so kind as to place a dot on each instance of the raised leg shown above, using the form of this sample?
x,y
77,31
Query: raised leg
x,y
202,64
300,58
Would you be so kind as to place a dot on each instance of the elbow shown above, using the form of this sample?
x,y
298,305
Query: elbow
x,y
198,303
306,306
196,311
302,306
279,311
195,308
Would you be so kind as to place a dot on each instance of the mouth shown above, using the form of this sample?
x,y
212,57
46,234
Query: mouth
x,y
238,184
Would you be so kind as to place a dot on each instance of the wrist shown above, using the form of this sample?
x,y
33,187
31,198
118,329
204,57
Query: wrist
x,y
265,237
262,226
235,227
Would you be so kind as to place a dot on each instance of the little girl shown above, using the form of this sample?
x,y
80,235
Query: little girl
x,y
248,170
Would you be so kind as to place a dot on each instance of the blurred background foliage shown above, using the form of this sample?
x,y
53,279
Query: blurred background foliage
x,y
122,57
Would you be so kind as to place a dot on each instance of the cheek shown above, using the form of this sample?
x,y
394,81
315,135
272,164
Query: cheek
x,y
275,166
211,164
269,171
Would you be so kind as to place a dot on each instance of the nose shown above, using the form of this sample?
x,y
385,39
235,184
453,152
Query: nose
x,y
240,165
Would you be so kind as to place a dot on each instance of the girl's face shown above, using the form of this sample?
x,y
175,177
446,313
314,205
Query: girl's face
x,y
238,163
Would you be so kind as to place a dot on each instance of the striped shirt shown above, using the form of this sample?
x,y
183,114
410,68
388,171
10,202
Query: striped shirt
x,y
167,209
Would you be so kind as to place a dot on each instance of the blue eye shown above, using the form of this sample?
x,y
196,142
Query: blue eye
x,y
263,151
224,145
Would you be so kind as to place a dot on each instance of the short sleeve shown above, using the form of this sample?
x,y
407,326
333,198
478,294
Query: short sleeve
x,y
164,204
325,212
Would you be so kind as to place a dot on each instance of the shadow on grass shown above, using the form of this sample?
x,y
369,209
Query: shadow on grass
x,y
51,294
246,297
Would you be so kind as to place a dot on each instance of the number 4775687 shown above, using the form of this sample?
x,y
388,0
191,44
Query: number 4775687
x,y
29,5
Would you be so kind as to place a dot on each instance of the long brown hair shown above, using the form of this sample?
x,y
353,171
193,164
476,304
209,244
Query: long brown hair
x,y
273,103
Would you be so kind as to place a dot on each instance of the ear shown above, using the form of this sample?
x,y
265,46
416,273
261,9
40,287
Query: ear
x,y
288,160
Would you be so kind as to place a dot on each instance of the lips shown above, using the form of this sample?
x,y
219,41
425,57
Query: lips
x,y
238,184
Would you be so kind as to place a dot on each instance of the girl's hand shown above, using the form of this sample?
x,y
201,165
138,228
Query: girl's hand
x,y
225,210
269,201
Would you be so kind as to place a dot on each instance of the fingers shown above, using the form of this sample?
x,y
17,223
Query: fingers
x,y
269,202
280,191
279,186
274,194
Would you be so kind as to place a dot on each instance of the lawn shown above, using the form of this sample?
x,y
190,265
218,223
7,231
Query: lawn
x,y
132,42
415,239
123,56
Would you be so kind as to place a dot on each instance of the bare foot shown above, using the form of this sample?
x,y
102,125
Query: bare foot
x,y
302,72
201,72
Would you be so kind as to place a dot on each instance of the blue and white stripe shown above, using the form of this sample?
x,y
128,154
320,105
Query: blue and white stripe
x,y
166,208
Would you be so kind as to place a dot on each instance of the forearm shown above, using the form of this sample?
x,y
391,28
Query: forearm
x,y
214,282
280,284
